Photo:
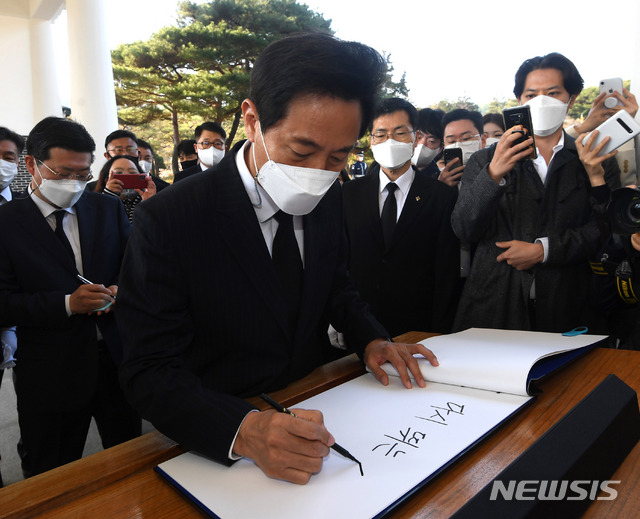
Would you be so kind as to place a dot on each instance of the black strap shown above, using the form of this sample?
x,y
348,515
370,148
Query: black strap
x,y
286,259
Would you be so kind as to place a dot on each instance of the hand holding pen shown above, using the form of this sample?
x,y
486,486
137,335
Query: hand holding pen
x,y
90,297
292,449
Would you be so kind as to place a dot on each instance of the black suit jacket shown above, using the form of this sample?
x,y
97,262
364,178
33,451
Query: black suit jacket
x,y
181,175
57,356
203,316
412,285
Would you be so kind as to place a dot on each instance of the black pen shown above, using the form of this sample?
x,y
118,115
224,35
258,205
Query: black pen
x,y
281,409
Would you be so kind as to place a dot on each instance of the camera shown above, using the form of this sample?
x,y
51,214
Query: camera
x,y
624,211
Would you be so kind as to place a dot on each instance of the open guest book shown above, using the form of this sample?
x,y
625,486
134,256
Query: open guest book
x,y
403,438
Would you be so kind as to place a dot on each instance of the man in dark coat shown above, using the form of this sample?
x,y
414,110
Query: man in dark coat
x,y
230,277
533,220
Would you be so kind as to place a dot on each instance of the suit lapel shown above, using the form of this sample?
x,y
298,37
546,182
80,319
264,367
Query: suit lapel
x,y
370,207
241,232
85,213
36,226
416,199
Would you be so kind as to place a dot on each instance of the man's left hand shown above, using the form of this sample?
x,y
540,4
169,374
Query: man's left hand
x,y
521,255
400,355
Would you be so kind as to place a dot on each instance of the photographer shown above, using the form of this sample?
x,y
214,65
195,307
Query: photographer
x,y
533,219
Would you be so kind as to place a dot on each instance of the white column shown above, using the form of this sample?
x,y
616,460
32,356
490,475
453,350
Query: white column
x,y
93,98
44,73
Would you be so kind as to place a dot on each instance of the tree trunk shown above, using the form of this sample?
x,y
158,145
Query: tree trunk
x,y
176,141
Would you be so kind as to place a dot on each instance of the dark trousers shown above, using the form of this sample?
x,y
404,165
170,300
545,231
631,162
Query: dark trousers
x,y
54,439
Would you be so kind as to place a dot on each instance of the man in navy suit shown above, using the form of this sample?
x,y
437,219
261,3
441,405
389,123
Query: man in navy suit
x,y
68,345
230,279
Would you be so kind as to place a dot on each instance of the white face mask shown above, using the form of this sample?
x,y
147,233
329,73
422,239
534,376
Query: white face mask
x,y
61,193
392,154
491,140
211,156
145,165
423,156
8,171
468,148
294,189
547,114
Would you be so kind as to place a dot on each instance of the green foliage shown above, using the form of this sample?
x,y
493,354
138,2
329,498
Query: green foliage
x,y
200,68
462,102
496,106
391,88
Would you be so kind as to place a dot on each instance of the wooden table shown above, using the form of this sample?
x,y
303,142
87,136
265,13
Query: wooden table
x,y
120,482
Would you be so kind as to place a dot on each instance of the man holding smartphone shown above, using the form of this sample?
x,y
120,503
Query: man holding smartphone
x,y
533,219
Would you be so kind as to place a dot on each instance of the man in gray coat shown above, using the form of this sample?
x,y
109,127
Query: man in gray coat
x,y
533,219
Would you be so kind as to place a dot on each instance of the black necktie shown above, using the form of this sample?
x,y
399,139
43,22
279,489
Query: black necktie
x,y
61,234
389,214
286,259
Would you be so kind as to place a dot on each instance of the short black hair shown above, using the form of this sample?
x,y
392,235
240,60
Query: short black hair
x,y
58,132
395,104
119,134
144,144
8,135
573,82
210,126
430,121
315,63
460,114
186,146
493,118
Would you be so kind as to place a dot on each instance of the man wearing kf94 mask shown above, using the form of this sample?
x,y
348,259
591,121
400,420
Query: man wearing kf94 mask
x,y
232,277
533,219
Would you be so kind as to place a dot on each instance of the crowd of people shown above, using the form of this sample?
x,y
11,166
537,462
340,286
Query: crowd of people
x,y
174,302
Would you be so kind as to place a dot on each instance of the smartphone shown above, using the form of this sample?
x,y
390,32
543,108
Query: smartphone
x,y
520,116
452,153
609,86
130,181
621,127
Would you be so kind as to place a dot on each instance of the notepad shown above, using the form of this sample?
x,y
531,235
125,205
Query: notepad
x,y
404,438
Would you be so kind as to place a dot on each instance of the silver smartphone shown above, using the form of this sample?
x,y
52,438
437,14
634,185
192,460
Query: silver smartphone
x,y
609,86
621,127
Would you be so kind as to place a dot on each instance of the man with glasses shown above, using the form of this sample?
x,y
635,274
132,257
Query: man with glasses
x,y
210,147
120,142
60,255
403,253
428,141
461,129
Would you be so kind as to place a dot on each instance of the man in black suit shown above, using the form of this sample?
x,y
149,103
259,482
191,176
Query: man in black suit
x,y
218,303
68,345
404,256
210,147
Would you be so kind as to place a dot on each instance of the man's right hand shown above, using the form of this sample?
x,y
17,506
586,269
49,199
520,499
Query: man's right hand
x,y
452,173
283,446
507,154
88,298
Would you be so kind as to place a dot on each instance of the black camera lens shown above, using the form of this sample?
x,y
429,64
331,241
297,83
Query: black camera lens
x,y
624,211
634,212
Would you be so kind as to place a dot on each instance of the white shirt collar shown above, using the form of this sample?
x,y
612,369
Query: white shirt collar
x,y
263,204
6,193
403,182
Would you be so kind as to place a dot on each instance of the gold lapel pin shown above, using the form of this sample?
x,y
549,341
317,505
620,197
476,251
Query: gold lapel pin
x,y
417,199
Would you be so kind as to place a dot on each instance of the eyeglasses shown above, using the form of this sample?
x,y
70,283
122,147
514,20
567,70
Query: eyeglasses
x,y
400,135
205,145
466,136
121,150
69,175
430,140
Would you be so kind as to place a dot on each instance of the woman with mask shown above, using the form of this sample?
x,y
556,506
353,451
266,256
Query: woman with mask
x,y
493,128
533,220
109,185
